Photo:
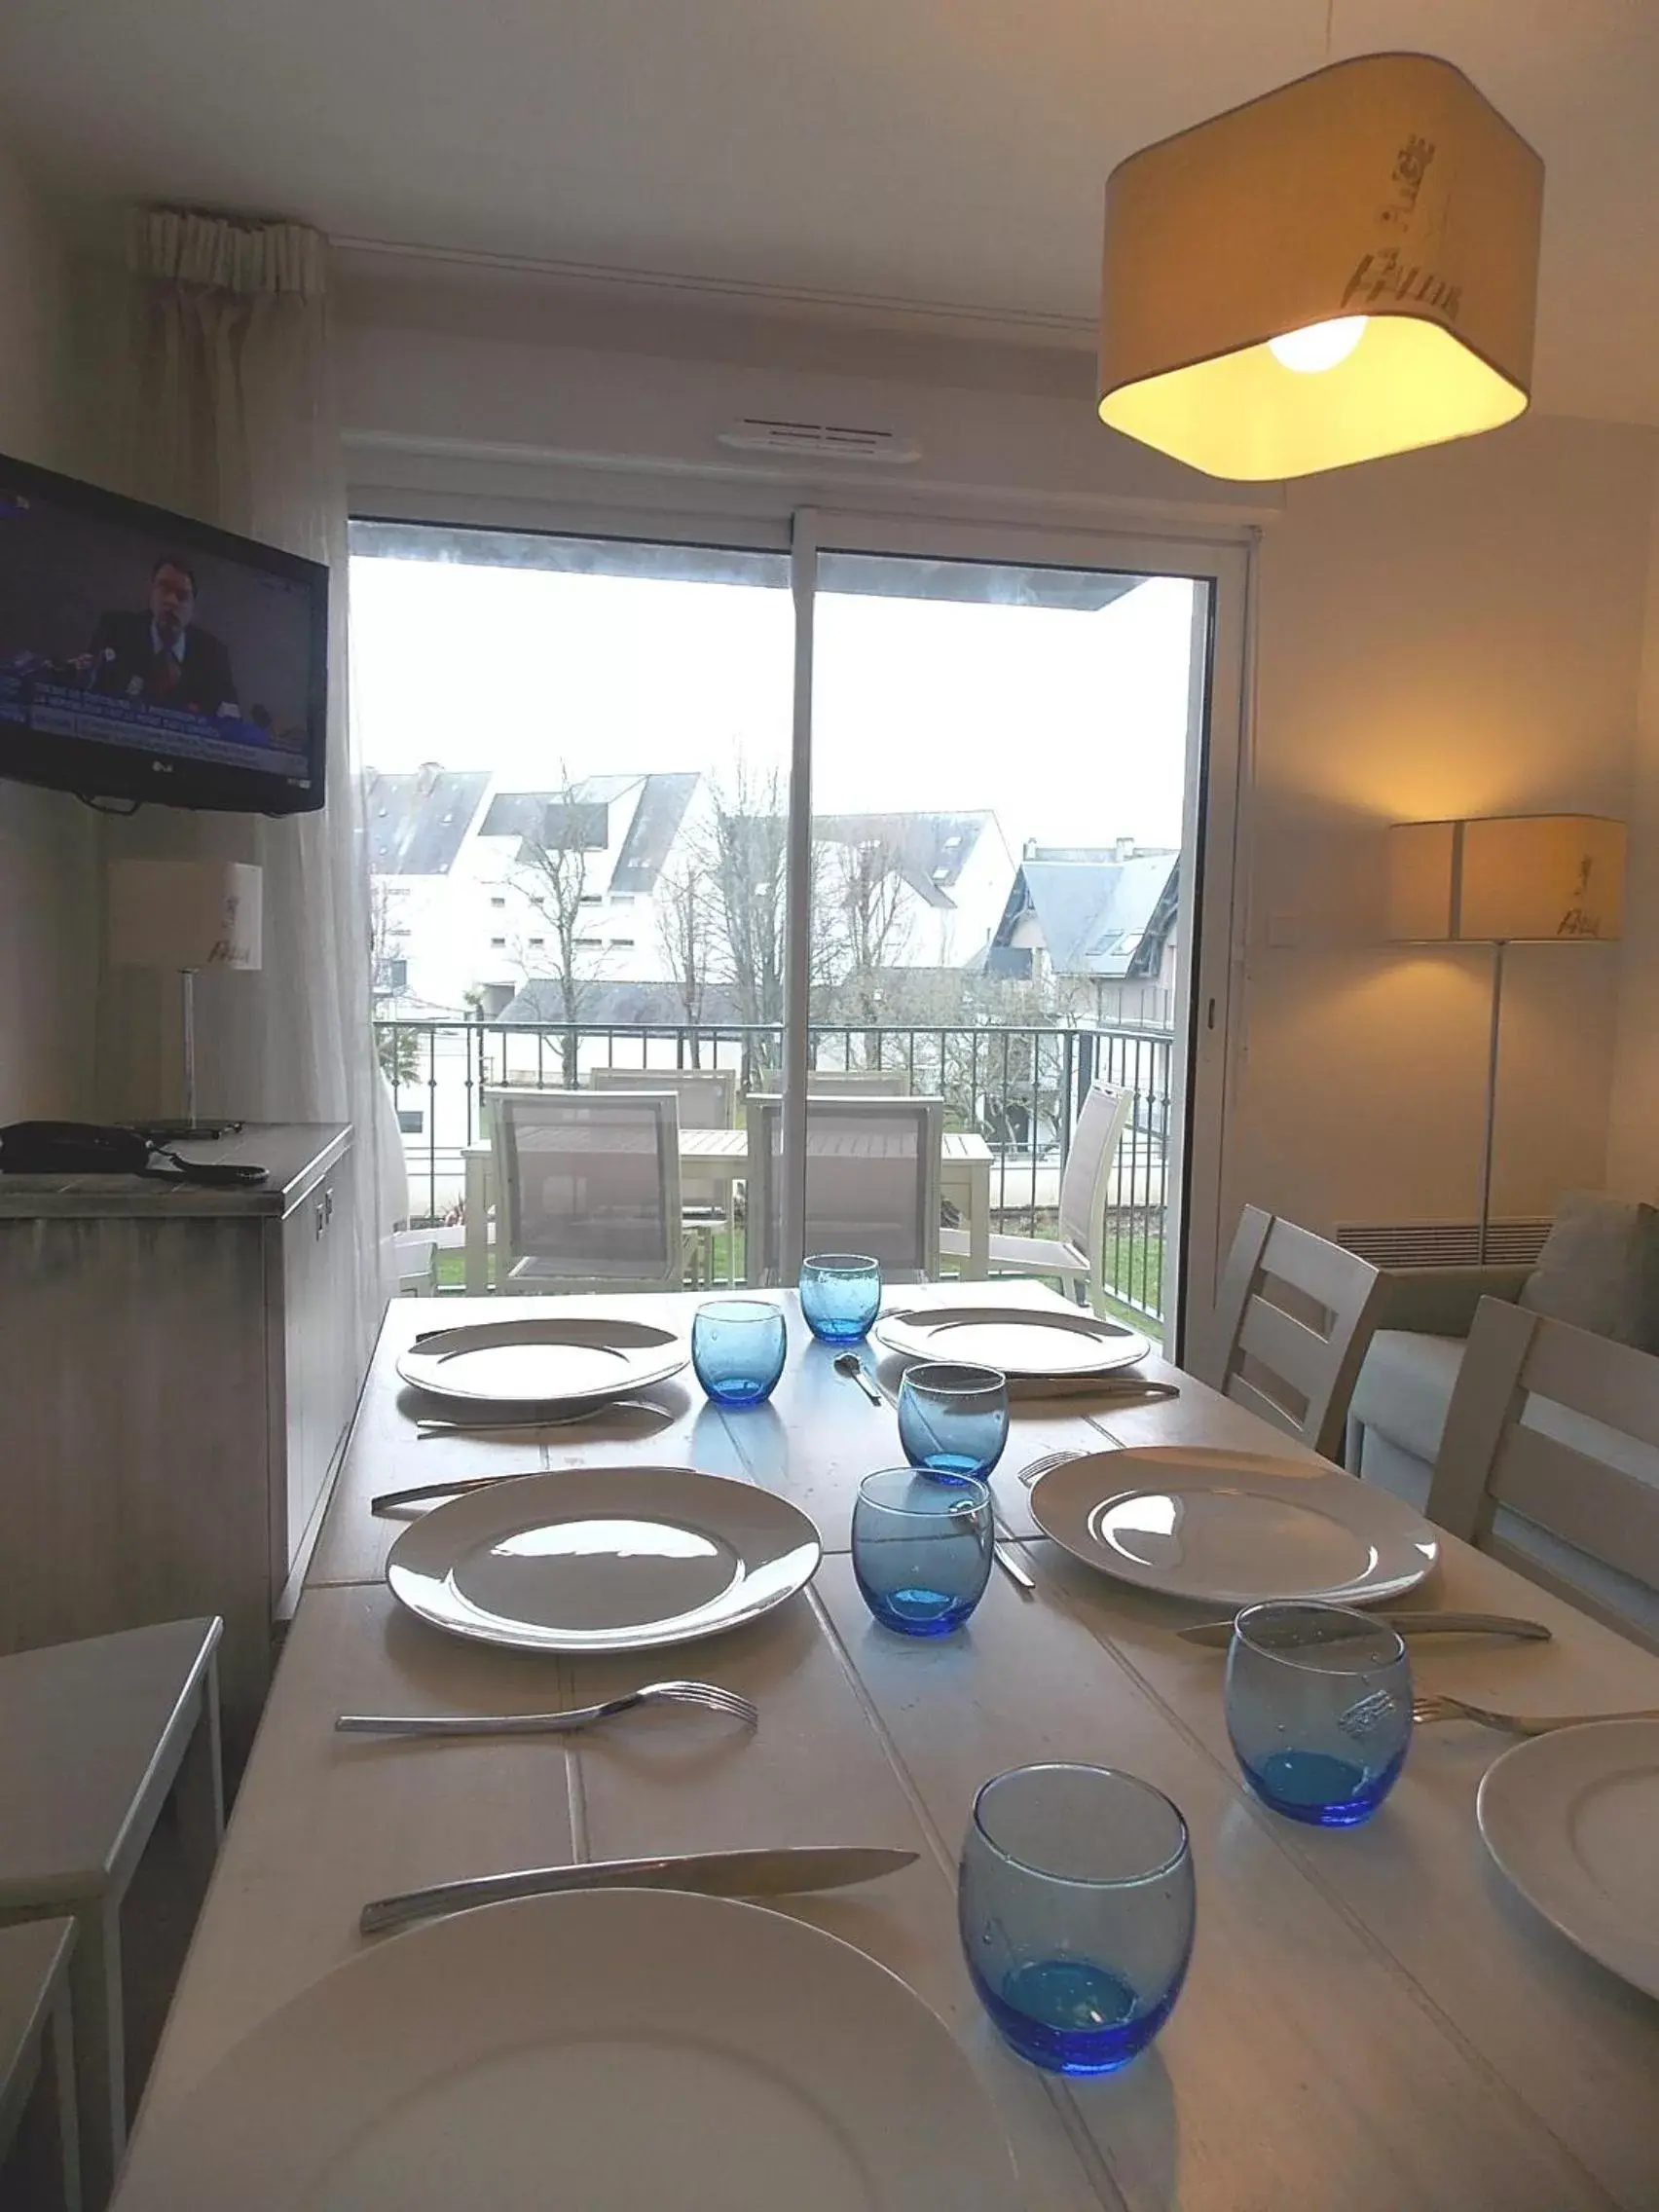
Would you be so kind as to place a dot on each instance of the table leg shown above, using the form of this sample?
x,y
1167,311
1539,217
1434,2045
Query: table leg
x,y
475,1272
100,2071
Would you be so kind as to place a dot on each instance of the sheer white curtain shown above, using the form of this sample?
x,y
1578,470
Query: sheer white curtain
x,y
230,416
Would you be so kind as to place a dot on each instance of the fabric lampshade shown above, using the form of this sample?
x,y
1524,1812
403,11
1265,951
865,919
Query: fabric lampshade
x,y
185,915
1382,210
1503,878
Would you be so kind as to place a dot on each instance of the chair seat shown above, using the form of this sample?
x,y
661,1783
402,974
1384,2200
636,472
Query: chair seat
x,y
1030,1255
80,1726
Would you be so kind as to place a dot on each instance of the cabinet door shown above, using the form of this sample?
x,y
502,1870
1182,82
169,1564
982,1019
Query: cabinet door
x,y
306,1363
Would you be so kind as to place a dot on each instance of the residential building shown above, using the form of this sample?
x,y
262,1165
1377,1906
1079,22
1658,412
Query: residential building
x,y
1093,929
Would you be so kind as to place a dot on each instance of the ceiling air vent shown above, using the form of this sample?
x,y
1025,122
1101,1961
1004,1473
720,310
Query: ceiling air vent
x,y
818,441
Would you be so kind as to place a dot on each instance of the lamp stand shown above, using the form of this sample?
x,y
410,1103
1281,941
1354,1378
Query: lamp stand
x,y
169,1132
1500,948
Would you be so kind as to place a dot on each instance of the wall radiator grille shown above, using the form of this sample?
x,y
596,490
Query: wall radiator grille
x,y
1443,1243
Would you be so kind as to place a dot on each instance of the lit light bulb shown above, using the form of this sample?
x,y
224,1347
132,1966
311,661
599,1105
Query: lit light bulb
x,y
1320,345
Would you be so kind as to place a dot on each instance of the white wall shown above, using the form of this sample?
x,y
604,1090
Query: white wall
x,y
1454,631
48,876
1451,633
1633,1138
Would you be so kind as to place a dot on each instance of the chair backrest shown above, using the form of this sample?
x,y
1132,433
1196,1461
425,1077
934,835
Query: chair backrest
x,y
1294,1319
1100,1126
858,1082
588,1188
1550,1460
872,1182
708,1096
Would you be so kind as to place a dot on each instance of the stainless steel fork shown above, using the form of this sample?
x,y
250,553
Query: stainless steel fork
x,y
707,1695
1431,1707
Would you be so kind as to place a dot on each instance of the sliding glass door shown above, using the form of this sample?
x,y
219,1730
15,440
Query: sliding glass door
x,y
858,817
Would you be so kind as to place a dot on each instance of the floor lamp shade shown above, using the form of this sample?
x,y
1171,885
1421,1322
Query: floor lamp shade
x,y
185,915
1506,879
1342,269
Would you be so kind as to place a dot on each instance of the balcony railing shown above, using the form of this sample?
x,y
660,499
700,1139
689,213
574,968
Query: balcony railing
x,y
1020,1089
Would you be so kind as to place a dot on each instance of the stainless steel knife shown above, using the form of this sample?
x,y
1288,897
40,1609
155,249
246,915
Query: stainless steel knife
x,y
1218,1635
711,1873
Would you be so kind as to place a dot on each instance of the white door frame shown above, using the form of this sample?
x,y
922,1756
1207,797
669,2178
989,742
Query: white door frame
x,y
1210,921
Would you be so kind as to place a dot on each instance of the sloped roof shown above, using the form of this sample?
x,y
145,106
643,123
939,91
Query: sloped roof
x,y
524,814
1095,914
617,1005
652,832
415,824
932,849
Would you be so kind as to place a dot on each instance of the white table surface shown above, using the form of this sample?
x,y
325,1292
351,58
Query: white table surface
x,y
1373,2018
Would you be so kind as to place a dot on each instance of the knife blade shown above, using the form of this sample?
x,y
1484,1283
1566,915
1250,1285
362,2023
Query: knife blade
x,y
1216,1636
711,1873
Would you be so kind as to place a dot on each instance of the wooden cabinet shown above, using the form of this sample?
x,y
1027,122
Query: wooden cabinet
x,y
178,1367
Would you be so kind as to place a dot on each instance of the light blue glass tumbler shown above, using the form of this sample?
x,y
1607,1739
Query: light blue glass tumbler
x,y
840,1296
1076,1905
1319,1710
954,1418
737,1349
921,1549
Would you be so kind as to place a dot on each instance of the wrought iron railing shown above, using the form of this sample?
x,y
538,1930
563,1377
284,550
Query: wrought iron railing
x,y
1019,1087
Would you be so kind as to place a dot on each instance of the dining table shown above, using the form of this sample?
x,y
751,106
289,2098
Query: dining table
x,y
720,1158
1374,2019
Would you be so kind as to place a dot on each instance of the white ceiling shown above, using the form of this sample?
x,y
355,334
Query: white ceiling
x,y
944,151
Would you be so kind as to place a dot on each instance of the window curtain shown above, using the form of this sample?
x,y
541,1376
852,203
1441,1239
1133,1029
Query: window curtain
x,y
229,415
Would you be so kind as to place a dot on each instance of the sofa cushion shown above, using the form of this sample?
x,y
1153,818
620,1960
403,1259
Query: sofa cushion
x,y
1599,1270
1405,1387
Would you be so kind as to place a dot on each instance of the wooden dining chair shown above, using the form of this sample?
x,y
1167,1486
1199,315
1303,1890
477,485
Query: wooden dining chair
x,y
1294,1318
40,2150
96,1739
588,1190
1077,1256
872,1182
1550,1461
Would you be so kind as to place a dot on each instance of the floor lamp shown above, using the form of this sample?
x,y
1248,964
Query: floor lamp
x,y
1502,880
186,915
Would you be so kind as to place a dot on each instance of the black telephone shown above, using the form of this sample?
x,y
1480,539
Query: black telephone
x,y
86,1148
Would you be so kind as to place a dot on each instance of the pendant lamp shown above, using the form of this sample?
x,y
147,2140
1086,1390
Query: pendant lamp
x,y
1342,269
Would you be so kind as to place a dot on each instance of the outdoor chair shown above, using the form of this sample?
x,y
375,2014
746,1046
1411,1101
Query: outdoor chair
x,y
872,1182
588,1190
1078,1255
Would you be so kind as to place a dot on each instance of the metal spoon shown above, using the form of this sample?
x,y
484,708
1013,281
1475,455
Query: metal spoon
x,y
849,1364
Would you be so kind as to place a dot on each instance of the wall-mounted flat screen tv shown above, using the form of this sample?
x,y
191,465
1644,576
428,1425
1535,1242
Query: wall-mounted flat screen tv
x,y
143,656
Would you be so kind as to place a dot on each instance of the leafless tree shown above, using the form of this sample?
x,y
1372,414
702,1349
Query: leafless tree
x,y
688,925
870,916
550,876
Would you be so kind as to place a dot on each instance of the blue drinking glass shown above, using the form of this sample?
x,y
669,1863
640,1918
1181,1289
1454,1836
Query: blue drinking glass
x,y
1076,1905
737,1349
1319,1710
921,1549
840,1296
952,1418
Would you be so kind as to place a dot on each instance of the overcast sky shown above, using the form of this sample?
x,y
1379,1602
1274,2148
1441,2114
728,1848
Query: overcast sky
x,y
1070,726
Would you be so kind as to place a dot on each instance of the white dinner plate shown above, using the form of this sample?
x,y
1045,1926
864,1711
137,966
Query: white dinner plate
x,y
603,1559
562,1359
1233,1528
1029,1343
1572,1818
623,2050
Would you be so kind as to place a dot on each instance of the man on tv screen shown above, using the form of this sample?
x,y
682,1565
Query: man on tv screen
x,y
161,656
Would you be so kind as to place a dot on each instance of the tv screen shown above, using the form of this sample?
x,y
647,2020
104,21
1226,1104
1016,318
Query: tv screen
x,y
146,657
